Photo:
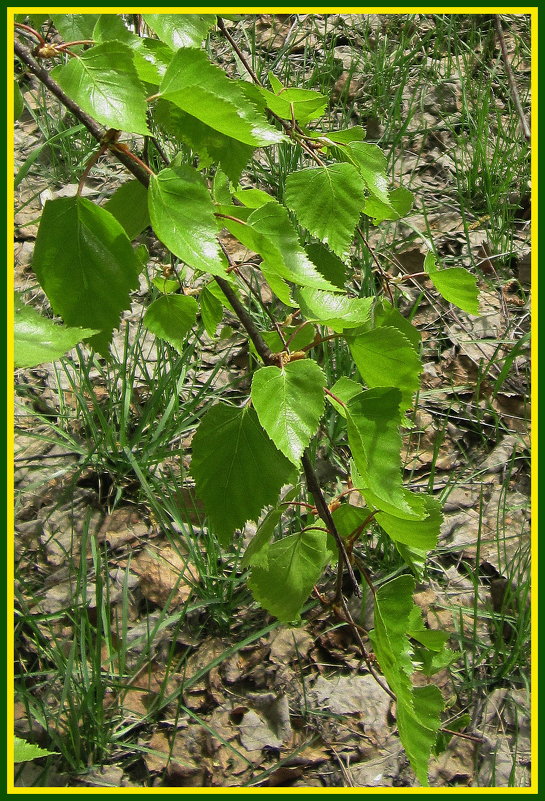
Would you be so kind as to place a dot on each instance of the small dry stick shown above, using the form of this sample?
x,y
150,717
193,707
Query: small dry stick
x,y
511,78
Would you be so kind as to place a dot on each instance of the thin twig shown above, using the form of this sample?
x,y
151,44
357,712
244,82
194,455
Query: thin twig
x,y
511,78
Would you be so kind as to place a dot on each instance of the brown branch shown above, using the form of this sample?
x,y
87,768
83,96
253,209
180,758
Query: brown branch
x,y
511,79
92,125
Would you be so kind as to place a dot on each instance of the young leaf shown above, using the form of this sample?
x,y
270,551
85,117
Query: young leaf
x,y
295,563
180,30
302,105
373,419
210,145
104,82
418,708
384,357
236,467
171,317
339,312
455,284
327,202
38,339
253,198
399,205
182,216
85,264
371,164
129,205
289,402
203,90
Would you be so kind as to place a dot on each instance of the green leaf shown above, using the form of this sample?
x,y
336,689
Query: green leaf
x,y
344,389
165,285
182,216
415,558
289,402
400,204
103,81
253,198
302,105
181,30
371,164
329,265
327,202
355,134
373,419
387,315
418,709
211,311
18,102
385,357
295,563
85,264
455,284
256,554
150,56
38,339
276,241
297,337
210,145
73,27
421,534
24,751
236,467
339,312
203,90
274,82
171,317
129,205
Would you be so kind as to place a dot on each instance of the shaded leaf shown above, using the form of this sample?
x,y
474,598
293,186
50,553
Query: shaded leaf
x,y
236,467
289,402
103,81
85,264
327,202
129,205
328,264
295,563
204,91
171,317
182,216
256,554
210,145
38,339
387,315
